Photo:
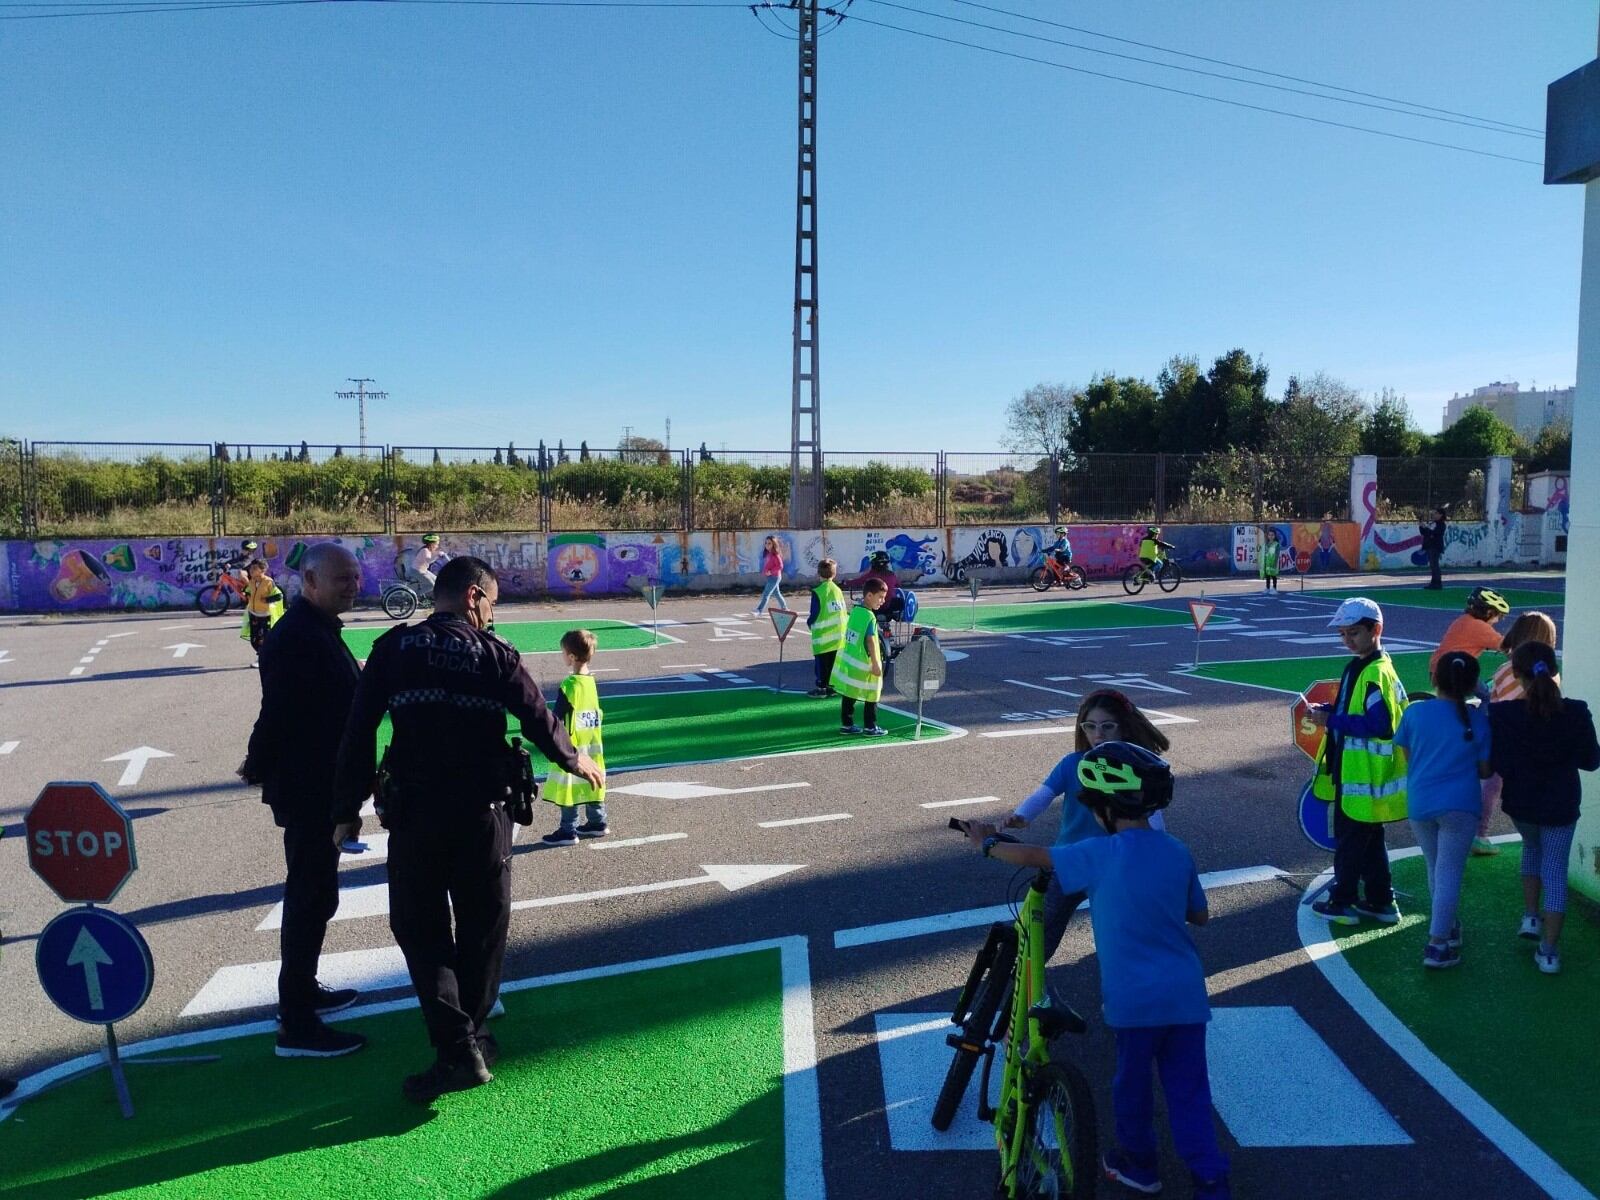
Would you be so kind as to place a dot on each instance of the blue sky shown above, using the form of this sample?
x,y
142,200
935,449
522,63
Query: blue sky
x,y
548,223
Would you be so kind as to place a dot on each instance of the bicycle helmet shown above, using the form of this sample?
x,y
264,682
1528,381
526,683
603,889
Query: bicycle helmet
x,y
430,539
1489,601
1061,531
1129,780
880,560
248,547
1153,531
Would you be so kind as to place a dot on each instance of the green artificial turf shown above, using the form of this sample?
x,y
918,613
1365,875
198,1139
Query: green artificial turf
x,y
530,637
1297,674
1051,616
718,724
1451,598
1526,1042
663,1084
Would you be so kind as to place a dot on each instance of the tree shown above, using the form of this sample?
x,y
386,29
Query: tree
x,y
1319,417
1389,431
1230,408
1552,449
305,453
1478,434
437,461
499,459
338,451
1175,389
583,451
1040,420
221,450
1115,416
642,450
511,456
561,454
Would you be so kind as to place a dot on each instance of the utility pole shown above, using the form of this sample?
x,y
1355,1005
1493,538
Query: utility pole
x,y
669,433
361,396
805,442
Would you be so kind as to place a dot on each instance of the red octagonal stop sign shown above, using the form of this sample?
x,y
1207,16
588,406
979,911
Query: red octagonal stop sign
x,y
1307,733
80,842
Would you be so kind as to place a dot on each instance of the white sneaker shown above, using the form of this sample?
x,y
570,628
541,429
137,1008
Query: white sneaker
x,y
1530,927
1549,960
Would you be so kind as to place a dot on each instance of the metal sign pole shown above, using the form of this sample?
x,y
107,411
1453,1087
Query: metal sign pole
x,y
781,642
118,1080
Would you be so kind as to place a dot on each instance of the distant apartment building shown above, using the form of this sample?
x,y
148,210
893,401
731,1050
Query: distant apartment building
x,y
1526,412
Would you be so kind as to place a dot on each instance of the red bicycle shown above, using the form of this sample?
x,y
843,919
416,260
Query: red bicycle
x,y
1072,576
215,599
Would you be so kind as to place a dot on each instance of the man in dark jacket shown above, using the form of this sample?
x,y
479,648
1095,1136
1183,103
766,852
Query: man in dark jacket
x,y
1433,546
308,680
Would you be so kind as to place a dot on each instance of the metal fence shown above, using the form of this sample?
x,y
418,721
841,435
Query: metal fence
x,y
1412,488
103,489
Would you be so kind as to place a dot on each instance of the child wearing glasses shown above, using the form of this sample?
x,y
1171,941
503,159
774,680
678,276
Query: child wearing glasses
x,y
1104,716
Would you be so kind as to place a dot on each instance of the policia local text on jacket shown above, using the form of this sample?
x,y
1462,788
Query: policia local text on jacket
x,y
447,686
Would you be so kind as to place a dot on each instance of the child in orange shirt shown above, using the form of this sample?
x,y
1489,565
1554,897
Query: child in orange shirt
x,y
1473,632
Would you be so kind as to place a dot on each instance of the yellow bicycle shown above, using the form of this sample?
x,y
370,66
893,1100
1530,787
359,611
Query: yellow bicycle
x,y
1044,1123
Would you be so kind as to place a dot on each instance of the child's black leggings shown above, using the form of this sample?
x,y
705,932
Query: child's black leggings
x,y
847,711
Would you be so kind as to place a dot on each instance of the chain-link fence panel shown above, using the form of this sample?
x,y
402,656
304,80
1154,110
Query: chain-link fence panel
x,y
292,487
1209,489
116,489
866,490
619,489
466,489
740,489
997,489
1411,489
1109,487
13,493
1308,488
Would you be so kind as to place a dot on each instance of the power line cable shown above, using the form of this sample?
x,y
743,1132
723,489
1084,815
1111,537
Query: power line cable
x,y
112,9
1468,122
1222,62
1159,87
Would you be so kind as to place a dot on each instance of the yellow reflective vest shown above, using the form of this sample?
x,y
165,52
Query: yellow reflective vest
x,y
1149,548
852,668
827,632
1372,771
1271,550
274,598
583,721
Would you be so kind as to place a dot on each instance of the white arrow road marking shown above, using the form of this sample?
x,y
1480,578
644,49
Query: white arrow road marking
x,y
137,759
181,649
5,656
372,900
8,747
668,790
91,956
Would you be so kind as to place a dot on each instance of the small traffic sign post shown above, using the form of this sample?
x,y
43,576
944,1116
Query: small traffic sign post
x,y
920,671
1307,734
80,842
974,586
783,620
651,592
1200,611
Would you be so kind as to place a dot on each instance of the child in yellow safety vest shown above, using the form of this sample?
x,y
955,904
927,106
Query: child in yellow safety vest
x,y
263,604
829,613
578,708
858,666
1360,771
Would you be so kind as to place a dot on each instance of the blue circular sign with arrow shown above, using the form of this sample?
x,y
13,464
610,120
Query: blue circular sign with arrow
x,y
94,965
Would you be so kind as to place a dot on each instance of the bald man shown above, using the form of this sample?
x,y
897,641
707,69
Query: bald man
x,y
308,680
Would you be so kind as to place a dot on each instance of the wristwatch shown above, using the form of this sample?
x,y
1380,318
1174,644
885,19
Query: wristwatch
x,y
989,843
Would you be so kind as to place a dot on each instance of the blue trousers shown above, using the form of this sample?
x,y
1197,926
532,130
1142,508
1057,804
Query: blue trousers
x,y
1178,1052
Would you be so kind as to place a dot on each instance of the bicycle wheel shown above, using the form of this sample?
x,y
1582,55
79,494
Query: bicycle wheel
x,y
1171,576
399,602
992,993
1133,580
1041,579
1077,578
1059,1158
213,600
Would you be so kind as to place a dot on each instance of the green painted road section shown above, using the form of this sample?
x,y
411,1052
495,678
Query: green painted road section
x,y
1054,616
530,637
1451,598
1526,1042
680,728
661,1084
1294,675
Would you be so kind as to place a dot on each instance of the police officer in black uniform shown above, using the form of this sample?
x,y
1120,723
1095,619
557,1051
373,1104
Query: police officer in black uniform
x,y
448,683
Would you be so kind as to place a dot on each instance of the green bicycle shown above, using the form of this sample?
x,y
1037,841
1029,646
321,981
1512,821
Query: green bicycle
x,y
1044,1124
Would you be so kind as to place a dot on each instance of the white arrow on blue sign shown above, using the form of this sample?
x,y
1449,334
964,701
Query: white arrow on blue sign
x,y
94,965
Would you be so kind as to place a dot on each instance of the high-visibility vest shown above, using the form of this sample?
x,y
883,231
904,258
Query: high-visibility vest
x,y
583,721
1269,558
274,611
1372,771
852,668
1149,549
827,632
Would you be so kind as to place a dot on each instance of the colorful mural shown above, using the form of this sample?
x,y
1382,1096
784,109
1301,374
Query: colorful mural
x,y
1305,547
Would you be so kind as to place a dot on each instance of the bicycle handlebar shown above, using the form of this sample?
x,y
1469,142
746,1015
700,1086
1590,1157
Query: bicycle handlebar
x,y
960,826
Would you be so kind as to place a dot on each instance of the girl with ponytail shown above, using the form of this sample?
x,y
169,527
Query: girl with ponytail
x,y
1529,627
1541,742
1447,752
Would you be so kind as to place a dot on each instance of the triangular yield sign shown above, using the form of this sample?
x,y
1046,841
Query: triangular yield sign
x,y
782,621
1201,611
652,595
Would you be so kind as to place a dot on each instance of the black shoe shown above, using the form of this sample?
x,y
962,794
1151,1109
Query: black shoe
x,y
455,1072
7,1086
331,1000
593,829
489,1047
561,837
317,1041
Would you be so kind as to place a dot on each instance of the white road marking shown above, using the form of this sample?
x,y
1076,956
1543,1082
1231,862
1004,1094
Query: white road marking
x,y
954,803
1039,687
803,820
1301,1094
1137,680
668,790
914,1058
1139,645
181,649
75,671
638,841
684,666
109,636
87,660
5,656
8,747
165,628
867,935
137,759
1157,717
377,849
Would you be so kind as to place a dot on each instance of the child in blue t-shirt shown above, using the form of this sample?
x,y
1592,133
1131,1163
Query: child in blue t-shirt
x,y
1143,888
1104,716
1447,753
